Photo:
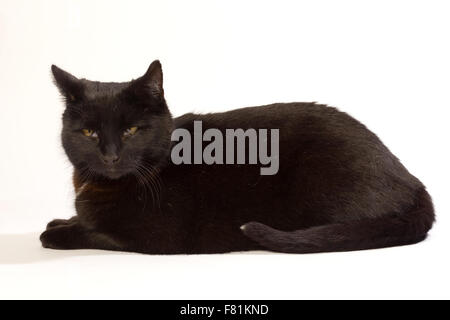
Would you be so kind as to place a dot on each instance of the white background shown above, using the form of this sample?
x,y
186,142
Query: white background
x,y
384,62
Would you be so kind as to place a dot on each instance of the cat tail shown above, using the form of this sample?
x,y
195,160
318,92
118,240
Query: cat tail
x,y
386,231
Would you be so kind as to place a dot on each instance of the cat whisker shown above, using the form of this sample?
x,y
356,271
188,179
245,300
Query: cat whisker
x,y
153,181
145,182
149,178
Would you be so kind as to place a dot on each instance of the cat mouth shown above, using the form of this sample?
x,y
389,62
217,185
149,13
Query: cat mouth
x,y
113,173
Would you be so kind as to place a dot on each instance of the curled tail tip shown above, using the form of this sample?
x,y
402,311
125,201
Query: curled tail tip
x,y
252,227
257,231
249,227
270,238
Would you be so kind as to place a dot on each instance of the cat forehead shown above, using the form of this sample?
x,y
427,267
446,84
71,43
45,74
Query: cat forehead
x,y
96,89
108,116
109,107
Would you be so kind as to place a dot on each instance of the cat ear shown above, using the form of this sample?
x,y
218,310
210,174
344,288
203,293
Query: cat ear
x,y
151,83
69,86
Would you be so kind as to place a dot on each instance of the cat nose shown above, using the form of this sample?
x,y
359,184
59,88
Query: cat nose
x,y
110,154
110,158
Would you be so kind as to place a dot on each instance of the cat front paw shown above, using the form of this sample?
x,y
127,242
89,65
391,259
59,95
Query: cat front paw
x,y
60,222
61,237
49,239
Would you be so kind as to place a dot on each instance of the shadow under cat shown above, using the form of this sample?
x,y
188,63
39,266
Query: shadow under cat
x,y
27,249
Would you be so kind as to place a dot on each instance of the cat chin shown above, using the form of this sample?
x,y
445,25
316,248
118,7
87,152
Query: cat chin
x,y
105,174
114,175
111,175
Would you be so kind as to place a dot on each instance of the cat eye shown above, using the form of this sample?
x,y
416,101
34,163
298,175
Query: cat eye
x,y
130,131
89,133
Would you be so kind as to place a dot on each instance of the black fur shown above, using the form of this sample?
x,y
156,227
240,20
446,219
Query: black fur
x,y
338,187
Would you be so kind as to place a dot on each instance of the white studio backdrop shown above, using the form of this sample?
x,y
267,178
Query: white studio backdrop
x,y
384,62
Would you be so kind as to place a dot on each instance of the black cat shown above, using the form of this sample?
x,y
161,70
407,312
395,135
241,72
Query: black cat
x,y
338,188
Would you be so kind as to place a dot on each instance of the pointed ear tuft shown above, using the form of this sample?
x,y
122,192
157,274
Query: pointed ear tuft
x,y
152,81
69,86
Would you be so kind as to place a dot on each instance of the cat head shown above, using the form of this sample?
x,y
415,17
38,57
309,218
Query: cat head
x,y
112,130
